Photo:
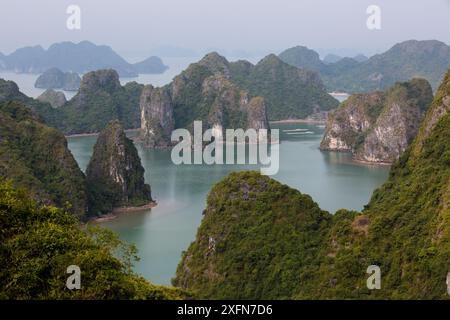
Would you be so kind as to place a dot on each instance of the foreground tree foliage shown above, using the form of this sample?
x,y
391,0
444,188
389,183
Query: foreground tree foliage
x,y
38,243
36,157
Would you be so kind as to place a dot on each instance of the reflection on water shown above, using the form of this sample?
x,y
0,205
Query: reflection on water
x,y
163,232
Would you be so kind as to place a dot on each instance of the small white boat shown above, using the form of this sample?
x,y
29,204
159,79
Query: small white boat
x,y
300,133
295,130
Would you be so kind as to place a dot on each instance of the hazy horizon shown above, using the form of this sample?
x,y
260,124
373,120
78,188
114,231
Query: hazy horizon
x,y
136,29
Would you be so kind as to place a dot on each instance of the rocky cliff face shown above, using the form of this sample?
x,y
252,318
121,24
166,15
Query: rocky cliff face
x,y
290,93
261,240
100,99
105,80
204,92
55,98
115,176
257,116
36,157
228,103
219,93
379,126
157,120
351,120
256,235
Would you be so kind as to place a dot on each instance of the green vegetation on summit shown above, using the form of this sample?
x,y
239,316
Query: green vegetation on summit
x,y
203,92
378,126
290,93
220,94
261,239
100,99
115,176
258,240
36,157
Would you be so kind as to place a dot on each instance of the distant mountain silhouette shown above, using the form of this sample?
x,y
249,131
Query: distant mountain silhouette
x,y
427,59
76,57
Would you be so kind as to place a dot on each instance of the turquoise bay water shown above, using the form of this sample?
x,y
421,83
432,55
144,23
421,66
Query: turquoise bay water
x,y
162,233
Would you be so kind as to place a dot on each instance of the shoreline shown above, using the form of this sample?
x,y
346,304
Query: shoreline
x,y
120,211
310,121
372,162
339,94
95,133
359,161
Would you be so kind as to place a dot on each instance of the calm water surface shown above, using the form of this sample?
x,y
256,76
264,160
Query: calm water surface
x,y
162,233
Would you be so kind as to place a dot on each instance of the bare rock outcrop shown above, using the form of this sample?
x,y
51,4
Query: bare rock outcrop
x,y
378,126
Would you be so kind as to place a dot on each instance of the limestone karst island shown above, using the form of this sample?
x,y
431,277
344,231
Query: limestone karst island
x,y
224,154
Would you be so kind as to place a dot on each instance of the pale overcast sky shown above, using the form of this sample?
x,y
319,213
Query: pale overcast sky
x,y
138,26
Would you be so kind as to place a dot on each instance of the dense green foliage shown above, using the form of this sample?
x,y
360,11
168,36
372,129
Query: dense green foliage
x,y
426,59
37,244
361,121
187,97
290,93
115,176
302,57
268,240
205,92
409,215
100,99
9,91
36,157
260,239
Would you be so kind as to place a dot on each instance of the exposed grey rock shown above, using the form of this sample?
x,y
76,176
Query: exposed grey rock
x,y
203,92
115,175
55,98
256,114
157,120
350,121
379,126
